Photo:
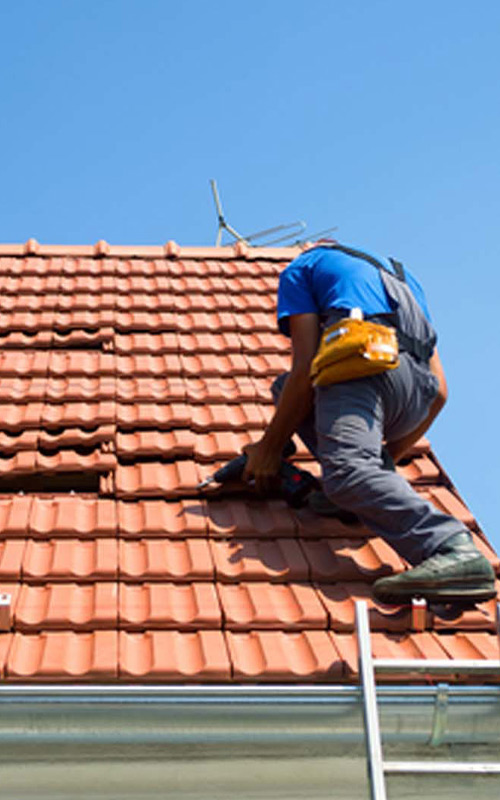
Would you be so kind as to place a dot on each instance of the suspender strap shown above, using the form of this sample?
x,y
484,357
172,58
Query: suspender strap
x,y
398,269
415,347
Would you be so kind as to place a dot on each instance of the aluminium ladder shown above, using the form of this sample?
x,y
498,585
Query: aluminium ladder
x,y
368,666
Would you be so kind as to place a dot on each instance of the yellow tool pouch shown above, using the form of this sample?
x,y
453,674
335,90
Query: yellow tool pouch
x,y
354,348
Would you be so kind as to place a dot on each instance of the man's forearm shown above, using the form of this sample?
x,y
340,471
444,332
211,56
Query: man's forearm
x,y
296,400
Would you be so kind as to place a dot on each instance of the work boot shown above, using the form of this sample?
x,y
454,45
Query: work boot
x,y
455,572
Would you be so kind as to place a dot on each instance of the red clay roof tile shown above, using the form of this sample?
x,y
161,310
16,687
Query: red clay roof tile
x,y
389,645
99,460
76,437
209,364
156,480
61,389
66,606
237,389
223,445
191,606
103,337
482,617
205,342
446,501
142,283
22,390
259,560
85,284
26,320
165,559
247,284
184,518
13,441
222,417
24,363
173,656
347,559
71,517
264,342
171,444
19,416
471,645
252,321
253,519
63,656
155,390
14,514
78,415
83,318
147,342
420,470
20,340
339,600
284,656
82,363
148,364
268,364
200,321
22,462
153,415
70,560
256,605
192,284
28,302
250,301
11,557
86,301
39,285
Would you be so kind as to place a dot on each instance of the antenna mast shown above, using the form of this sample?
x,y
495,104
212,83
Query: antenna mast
x,y
288,229
223,225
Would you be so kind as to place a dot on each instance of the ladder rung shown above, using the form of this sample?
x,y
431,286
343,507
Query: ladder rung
x,y
441,767
436,665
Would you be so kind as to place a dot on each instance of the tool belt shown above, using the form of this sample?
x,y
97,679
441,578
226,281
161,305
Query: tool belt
x,y
354,348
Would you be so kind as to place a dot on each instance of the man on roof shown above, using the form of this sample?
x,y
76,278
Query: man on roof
x,y
358,428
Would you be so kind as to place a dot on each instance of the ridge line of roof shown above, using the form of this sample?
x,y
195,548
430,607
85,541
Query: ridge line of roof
x,y
171,250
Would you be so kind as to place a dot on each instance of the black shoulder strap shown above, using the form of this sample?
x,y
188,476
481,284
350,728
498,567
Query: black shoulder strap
x,y
398,269
420,349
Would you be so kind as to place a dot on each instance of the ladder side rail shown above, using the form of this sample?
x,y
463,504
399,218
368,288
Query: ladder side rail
x,y
370,711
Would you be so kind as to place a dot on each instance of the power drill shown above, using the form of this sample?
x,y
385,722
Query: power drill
x,y
295,484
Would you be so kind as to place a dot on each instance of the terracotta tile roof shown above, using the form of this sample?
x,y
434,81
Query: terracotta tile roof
x,y
127,375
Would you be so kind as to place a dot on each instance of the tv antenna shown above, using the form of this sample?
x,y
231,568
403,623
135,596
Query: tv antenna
x,y
288,230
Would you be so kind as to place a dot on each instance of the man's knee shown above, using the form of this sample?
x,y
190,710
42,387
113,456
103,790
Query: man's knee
x,y
277,386
346,479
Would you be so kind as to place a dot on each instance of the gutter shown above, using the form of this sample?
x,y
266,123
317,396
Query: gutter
x,y
222,716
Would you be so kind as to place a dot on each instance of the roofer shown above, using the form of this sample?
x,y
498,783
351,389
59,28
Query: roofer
x,y
356,426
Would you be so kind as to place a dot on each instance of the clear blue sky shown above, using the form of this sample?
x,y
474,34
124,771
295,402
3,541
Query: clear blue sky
x,y
379,116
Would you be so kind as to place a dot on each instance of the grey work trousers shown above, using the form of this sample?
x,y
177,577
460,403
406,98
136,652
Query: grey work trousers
x,y
345,433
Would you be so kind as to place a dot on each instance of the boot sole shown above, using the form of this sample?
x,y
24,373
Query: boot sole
x,y
445,594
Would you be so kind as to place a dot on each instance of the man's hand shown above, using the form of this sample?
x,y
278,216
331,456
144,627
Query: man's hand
x,y
264,457
263,464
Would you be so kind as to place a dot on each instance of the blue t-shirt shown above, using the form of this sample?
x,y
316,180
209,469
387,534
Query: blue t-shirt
x,y
324,278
